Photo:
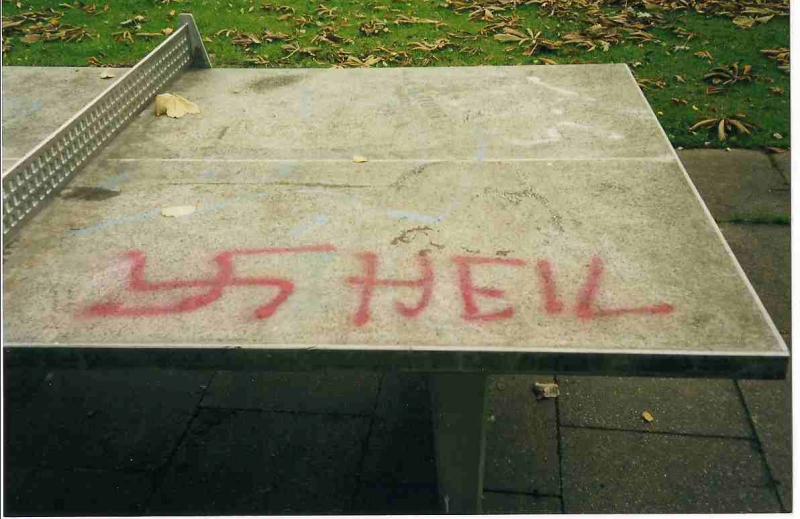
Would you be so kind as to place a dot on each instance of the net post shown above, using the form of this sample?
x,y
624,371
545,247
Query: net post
x,y
200,56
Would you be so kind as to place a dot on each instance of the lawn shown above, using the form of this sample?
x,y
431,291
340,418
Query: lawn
x,y
672,46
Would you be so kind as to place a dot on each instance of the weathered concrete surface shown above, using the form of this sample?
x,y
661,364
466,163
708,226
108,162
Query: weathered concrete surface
x,y
738,184
467,172
686,406
466,113
635,472
36,104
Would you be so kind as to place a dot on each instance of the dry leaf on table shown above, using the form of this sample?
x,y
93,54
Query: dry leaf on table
x,y
174,106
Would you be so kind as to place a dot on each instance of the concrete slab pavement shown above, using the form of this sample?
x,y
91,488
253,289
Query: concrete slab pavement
x,y
235,462
764,251
680,406
738,185
79,492
107,419
639,472
521,438
342,392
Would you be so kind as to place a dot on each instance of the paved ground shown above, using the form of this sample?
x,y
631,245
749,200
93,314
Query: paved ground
x,y
165,442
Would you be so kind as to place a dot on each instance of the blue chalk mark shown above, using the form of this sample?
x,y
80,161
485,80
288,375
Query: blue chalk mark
x,y
306,104
114,182
148,215
480,152
414,217
21,107
318,221
140,217
286,168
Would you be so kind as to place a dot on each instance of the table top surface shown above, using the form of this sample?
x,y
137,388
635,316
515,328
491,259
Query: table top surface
x,y
527,209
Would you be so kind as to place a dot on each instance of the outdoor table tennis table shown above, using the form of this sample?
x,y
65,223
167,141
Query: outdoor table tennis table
x,y
453,221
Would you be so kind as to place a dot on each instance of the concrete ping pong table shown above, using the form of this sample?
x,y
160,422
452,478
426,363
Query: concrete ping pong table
x,y
454,221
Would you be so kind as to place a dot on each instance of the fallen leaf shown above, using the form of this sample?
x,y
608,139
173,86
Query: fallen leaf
x,y
544,390
106,75
745,22
174,106
177,211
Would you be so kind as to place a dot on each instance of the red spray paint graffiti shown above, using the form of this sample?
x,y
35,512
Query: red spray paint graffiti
x,y
469,290
213,288
585,307
369,282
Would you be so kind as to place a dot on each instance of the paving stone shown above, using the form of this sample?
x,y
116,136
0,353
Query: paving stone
x,y
19,383
376,498
634,472
783,163
737,184
521,437
14,479
404,396
511,503
104,419
770,406
61,492
400,452
254,462
345,391
689,406
765,255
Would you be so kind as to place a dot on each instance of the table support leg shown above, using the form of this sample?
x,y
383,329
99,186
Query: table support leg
x,y
458,401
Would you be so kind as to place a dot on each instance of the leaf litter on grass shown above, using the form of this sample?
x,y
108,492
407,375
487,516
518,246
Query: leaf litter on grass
x,y
455,32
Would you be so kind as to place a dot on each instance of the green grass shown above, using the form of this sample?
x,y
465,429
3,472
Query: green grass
x,y
653,60
762,219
